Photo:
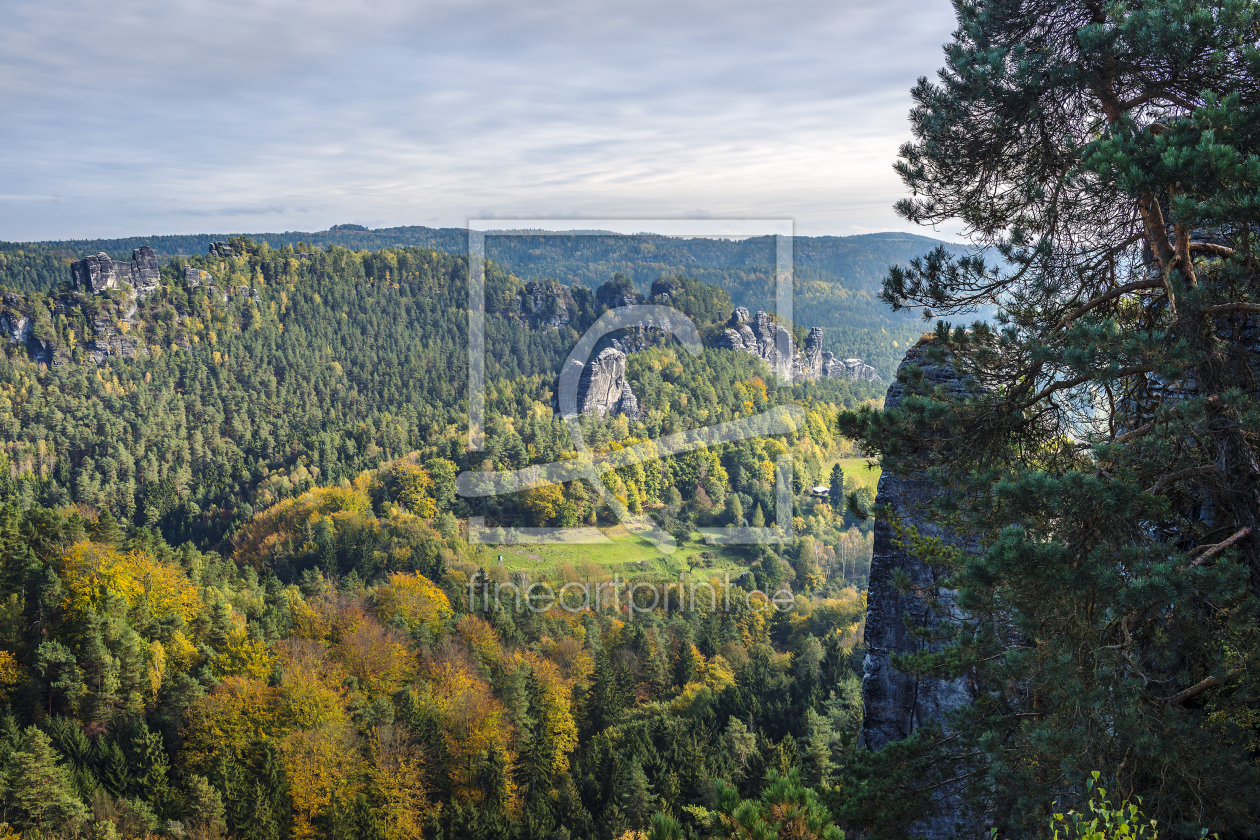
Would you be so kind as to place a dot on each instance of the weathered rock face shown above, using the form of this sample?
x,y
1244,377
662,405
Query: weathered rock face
x,y
546,305
896,703
814,353
145,274
99,272
853,369
194,277
761,338
221,250
603,389
618,291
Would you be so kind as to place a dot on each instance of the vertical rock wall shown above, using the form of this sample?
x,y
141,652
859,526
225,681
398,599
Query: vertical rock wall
x,y
895,704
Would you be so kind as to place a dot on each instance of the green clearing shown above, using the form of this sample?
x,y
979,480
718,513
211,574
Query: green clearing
x,y
627,555
857,467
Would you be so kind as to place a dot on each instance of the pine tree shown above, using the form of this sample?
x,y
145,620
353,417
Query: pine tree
x,y
835,492
638,801
40,796
1099,443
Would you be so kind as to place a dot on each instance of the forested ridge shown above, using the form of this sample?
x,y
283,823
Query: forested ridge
x,y
837,278
238,597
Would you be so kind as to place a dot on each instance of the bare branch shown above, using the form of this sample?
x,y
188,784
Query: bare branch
x,y
1111,295
1213,550
1232,307
1195,690
1209,248
1180,474
1078,380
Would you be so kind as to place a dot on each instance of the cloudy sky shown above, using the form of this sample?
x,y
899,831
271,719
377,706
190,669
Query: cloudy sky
x,y
180,116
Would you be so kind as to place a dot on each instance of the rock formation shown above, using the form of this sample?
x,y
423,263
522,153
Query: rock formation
x,y
547,304
854,369
764,339
221,250
99,272
618,291
761,337
602,388
194,277
896,703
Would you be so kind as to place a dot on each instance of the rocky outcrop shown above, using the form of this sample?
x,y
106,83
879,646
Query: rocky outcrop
x,y
603,389
145,274
618,291
194,277
221,250
546,305
895,703
764,339
761,337
99,272
853,369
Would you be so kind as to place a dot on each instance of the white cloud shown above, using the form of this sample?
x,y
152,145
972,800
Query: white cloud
x,y
152,117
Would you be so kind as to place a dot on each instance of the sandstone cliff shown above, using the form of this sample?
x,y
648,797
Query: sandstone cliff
x,y
761,337
895,703
99,272
603,389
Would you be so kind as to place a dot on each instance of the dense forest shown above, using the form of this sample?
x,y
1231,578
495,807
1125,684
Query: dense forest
x,y
837,278
239,599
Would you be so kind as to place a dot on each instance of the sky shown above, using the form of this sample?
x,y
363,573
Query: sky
x,y
144,117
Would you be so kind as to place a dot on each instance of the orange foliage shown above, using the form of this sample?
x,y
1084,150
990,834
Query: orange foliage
x,y
416,600
474,723
378,658
480,638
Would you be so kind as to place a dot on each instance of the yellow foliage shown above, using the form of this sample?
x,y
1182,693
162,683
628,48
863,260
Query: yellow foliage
x,y
310,693
480,638
319,764
396,775
416,600
717,673
11,674
281,522
474,723
89,569
235,713
556,711
378,658
180,653
412,483
243,656
155,669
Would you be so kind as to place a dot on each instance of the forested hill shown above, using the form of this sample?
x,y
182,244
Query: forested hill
x,y
246,380
238,599
837,277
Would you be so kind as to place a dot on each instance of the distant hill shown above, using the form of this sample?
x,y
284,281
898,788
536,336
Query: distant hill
x,y
837,277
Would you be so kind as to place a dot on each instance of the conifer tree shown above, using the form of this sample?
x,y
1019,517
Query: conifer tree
x,y
1098,447
39,794
835,490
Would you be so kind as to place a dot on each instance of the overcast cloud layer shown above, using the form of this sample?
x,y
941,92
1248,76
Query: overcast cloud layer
x,y
153,116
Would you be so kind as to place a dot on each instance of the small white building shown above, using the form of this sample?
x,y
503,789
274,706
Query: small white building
x,y
820,492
